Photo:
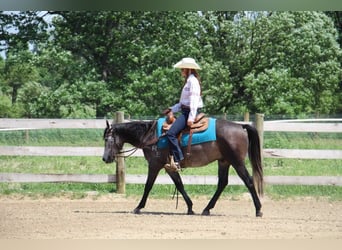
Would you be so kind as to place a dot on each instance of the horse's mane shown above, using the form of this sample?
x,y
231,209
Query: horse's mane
x,y
133,131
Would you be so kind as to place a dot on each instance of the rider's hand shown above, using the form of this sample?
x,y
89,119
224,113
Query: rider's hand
x,y
170,118
166,111
189,123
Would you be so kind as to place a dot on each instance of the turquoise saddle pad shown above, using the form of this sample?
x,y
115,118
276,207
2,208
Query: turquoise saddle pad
x,y
197,138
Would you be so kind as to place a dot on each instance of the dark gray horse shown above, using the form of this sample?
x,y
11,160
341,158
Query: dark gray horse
x,y
233,142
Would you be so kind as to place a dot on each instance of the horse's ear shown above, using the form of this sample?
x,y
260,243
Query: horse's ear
x,y
107,123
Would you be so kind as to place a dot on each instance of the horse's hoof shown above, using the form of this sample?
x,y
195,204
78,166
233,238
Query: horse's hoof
x,y
206,212
136,211
190,212
259,214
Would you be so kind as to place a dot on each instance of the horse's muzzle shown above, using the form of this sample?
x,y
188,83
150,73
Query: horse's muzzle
x,y
108,159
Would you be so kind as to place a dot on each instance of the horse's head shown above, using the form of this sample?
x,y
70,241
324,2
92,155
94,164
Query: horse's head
x,y
113,144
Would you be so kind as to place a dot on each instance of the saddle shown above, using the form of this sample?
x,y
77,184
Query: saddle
x,y
200,124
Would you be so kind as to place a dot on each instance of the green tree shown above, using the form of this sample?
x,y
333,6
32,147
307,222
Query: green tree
x,y
94,63
56,66
263,89
17,71
156,41
18,30
64,102
336,16
300,46
105,39
28,97
97,96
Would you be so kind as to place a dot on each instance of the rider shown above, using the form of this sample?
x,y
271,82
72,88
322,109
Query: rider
x,y
189,104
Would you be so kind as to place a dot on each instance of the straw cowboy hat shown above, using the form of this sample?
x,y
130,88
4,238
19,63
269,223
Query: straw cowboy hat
x,y
187,63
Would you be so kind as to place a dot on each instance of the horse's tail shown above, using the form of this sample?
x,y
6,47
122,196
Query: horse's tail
x,y
254,153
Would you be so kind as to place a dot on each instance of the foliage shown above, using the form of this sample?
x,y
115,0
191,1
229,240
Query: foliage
x,y
93,63
18,70
271,57
264,87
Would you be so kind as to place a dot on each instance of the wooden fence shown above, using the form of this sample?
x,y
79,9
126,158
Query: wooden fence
x,y
322,125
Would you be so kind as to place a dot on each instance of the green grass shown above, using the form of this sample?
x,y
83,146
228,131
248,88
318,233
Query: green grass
x,y
137,165
302,140
53,137
55,165
93,138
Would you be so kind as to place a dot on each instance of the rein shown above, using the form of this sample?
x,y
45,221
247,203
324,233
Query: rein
x,y
131,151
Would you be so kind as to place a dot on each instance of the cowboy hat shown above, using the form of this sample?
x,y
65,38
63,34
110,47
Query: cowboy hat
x,y
187,63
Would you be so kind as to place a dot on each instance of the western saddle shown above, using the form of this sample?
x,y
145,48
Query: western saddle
x,y
200,124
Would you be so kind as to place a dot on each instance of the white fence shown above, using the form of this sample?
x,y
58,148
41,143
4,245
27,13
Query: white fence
x,y
323,125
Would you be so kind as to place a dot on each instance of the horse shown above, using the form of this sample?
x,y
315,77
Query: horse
x,y
234,141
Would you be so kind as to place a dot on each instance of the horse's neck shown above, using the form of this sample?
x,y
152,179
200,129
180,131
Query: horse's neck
x,y
133,132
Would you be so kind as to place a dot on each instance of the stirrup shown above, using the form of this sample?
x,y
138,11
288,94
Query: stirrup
x,y
172,166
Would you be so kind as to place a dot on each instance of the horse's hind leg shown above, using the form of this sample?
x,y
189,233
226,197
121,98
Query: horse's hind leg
x,y
180,187
223,170
248,180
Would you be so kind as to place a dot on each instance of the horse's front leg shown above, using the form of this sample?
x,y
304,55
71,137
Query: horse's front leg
x,y
151,178
180,187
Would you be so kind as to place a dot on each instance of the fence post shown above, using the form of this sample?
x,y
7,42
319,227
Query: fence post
x,y
259,125
120,164
27,136
246,117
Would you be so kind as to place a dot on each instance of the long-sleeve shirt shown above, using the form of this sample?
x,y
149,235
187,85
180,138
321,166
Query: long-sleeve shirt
x,y
190,97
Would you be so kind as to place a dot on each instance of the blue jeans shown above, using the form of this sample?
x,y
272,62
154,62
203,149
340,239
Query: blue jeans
x,y
176,128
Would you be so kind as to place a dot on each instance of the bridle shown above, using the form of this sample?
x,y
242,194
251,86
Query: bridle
x,y
109,138
131,151
113,142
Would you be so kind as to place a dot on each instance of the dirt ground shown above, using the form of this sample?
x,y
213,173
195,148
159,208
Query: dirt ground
x,y
111,217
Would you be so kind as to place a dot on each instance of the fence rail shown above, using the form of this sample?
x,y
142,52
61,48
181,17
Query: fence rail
x,y
324,125
27,124
164,179
98,151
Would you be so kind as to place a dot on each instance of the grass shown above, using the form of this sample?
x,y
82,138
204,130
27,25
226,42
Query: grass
x,y
93,138
55,164
78,191
137,165
53,137
302,140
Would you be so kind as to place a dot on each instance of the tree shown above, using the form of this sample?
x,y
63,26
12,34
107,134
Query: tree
x,y
19,29
17,71
336,16
102,40
29,97
264,88
299,46
94,63
157,40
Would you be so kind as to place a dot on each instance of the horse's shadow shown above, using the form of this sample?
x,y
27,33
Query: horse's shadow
x,y
141,213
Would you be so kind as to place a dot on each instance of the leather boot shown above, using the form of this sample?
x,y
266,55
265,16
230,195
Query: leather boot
x,y
172,166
